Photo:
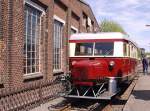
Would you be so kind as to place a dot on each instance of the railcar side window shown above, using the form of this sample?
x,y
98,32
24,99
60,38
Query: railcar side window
x,y
125,49
83,49
129,50
104,48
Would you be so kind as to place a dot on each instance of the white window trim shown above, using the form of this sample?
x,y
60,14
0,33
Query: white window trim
x,y
32,75
89,21
29,2
55,17
74,28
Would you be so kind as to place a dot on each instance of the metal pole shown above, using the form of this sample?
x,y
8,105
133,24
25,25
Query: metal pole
x,y
112,85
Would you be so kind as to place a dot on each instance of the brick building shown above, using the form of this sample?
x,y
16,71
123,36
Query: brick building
x,y
34,38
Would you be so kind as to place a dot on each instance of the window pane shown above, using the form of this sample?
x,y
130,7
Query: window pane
x,y
37,68
83,49
73,31
28,47
33,54
33,69
37,62
28,62
28,69
104,48
129,50
125,49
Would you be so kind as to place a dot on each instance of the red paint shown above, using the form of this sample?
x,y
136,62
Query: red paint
x,y
85,71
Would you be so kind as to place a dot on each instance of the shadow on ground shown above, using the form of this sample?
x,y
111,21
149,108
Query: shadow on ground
x,y
142,94
118,102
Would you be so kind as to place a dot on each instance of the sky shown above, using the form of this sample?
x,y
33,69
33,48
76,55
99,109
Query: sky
x,y
132,15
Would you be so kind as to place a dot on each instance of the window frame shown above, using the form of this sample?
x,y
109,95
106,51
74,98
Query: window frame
x,y
85,53
42,10
73,28
84,19
105,54
93,51
36,6
58,19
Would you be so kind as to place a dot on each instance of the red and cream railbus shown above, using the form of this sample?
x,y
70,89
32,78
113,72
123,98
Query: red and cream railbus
x,y
98,57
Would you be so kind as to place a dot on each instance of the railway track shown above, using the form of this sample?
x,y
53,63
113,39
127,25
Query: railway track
x,y
79,105
116,104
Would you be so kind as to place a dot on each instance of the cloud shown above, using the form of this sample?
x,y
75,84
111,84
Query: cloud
x,y
133,15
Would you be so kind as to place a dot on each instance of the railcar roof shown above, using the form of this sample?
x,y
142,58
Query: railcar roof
x,y
102,35
105,35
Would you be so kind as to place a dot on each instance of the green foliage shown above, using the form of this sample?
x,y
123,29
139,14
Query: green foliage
x,y
111,26
147,53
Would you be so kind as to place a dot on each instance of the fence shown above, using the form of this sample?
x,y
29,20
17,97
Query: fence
x,y
30,96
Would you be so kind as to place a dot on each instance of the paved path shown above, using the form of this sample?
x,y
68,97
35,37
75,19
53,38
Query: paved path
x,y
46,106
140,97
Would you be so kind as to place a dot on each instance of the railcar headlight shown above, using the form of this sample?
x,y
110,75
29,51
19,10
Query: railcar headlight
x,y
111,63
74,62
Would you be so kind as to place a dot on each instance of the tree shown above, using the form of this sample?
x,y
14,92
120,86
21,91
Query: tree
x,y
111,26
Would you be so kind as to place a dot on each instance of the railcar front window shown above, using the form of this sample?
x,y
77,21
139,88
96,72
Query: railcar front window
x,y
104,49
83,49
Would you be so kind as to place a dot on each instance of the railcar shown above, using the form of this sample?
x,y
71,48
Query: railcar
x,y
98,63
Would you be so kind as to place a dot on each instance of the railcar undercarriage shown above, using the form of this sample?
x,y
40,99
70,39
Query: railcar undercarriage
x,y
103,91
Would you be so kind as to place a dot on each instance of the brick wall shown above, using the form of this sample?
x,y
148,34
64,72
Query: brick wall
x,y
1,42
25,98
13,32
4,53
74,12
0,19
12,43
16,32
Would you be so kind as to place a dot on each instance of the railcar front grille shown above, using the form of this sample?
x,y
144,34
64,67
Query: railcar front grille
x,y
80,73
